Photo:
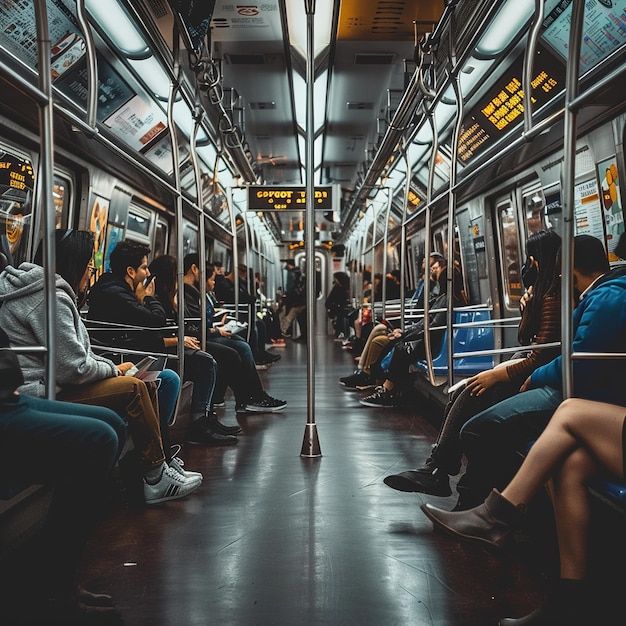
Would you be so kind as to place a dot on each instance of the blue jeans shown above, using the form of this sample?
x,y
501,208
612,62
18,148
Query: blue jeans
x,y
168,396
73,447
201,369
493,439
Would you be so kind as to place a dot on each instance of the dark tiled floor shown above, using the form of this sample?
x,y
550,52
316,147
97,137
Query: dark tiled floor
x,y
271,538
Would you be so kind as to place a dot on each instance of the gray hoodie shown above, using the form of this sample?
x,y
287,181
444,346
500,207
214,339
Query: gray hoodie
x,y
22,317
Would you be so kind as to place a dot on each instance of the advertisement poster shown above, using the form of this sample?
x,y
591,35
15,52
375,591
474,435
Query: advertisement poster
x,y
611,204
97,225
587,210
114,235
137,123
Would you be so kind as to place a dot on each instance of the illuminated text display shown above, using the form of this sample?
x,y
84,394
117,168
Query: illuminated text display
x,y
503,105
287,198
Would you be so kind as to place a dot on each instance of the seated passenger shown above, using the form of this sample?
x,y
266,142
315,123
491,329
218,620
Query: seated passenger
x,y
336,304
72,447
541,323
224,292
411,346
381,339
81,375
583,439
244,380
120,297
200,367
491,440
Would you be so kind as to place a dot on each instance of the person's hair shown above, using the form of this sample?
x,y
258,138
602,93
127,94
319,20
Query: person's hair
x,y
217,263
544,247
127,254
74,249
343,279
193,258
164,268
590,256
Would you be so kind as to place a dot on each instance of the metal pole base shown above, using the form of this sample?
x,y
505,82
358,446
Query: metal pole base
x,y
311,442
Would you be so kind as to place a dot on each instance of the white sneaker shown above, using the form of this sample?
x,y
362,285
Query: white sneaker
x,y
177,464
171,486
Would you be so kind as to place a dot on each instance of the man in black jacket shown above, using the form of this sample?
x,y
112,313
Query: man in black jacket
x,y
126,296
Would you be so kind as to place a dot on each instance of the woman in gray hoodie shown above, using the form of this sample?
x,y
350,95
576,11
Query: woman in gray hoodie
x,y
81,375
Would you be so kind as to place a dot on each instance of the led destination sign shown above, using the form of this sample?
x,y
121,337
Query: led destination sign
x,y
288,198
502,107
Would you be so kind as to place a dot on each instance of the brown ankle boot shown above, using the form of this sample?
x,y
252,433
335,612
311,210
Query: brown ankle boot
x,y
490,523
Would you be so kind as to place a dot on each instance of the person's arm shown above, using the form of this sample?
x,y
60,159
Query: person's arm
x,y
549,331
599,327
75,363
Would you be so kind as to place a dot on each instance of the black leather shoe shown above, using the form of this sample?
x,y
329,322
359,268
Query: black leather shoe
x,y
433,481
490,523
216,426
200,433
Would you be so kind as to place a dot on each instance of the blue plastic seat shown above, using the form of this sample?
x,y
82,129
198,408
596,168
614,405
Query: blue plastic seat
x,y
467,339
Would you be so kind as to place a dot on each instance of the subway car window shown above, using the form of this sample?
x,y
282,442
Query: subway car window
x,y
190,239
511,265
16,204
139,222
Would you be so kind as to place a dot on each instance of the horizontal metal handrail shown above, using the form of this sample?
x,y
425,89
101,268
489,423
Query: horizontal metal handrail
x,y
116,350
512,350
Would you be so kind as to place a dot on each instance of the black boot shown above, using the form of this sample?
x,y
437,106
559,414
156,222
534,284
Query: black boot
x,y
567,605
429,479
490,523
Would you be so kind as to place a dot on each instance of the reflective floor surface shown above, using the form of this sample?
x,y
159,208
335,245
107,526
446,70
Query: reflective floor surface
x,y
271,538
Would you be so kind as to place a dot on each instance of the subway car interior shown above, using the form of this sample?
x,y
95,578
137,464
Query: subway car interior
x,y
374,214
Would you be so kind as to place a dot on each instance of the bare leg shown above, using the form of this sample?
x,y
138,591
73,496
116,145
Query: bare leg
x,y
594,426
570,499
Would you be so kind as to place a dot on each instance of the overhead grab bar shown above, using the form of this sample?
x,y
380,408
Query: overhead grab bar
x,y
92,64
529,63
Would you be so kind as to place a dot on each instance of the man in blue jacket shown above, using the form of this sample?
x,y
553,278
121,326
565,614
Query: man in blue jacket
x,y
492,439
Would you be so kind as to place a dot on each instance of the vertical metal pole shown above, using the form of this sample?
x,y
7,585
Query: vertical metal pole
x,y
407,190
428,227
567,185
45,188
92,63
529,62
201,225
174,86
383,286
233,227
310,443
456,85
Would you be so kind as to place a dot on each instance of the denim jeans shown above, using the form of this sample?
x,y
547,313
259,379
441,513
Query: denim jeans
x,y
168,396
127,396
493,439
201,369
73,447
250,386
